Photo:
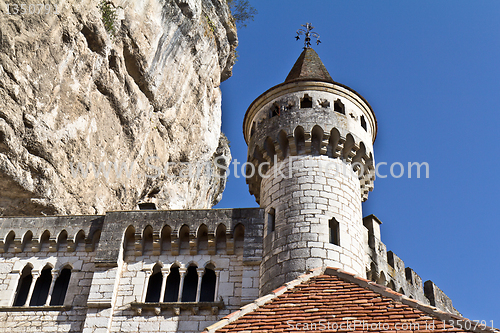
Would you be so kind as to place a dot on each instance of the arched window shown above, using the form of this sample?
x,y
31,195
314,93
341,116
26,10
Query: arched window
x,y
317,139
333,226
220,239
42,286
239,239
166,239
62,241
203,239
147,241
184,239
8,240
27,238
23,288
172,289
44,241
129,242
283,140
300,143
80,240
154,285
208,281
190,285
61,287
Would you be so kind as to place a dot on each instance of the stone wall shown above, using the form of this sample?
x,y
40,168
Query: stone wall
x,y
386,268
111,258
318,190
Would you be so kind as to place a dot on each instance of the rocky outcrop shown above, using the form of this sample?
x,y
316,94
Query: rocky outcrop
x,y
141,106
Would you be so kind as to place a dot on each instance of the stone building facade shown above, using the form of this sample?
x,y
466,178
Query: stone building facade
x,y
184,270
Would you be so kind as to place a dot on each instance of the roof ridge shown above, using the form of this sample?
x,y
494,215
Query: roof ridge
x,y
349,277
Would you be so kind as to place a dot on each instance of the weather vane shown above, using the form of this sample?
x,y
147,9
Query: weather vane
x,y
308,33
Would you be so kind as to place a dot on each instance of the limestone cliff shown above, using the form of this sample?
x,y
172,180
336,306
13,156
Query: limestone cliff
x,y
71,92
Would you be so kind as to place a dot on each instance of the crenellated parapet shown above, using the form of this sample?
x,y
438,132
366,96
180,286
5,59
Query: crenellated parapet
x,y
49,234
310,118
181,232
313,141
387,269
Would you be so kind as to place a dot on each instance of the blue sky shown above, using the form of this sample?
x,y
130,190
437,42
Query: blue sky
x,y
430,70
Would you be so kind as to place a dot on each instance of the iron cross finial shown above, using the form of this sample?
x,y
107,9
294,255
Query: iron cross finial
x,y
308,33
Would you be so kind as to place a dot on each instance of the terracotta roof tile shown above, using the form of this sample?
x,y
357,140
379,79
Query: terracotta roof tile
x,y
333,297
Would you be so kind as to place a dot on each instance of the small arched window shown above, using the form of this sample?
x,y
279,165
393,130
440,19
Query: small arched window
x,y
184,240
172,289
190,285
239,239
42,287
203,239
23,288
208,281
61,287
220,239
166,239
333,226
147,241
154,285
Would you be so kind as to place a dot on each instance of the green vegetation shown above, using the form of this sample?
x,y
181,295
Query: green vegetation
x,y
242,11
108,12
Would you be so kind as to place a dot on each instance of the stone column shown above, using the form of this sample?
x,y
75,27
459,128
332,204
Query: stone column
x,y
55,274
146,286
217,271
198,289
164,273
35,276
182,272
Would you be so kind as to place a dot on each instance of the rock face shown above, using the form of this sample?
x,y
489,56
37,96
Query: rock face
x,y
145,102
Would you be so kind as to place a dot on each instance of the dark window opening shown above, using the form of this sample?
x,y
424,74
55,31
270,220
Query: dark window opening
x,y
408,275
172,289
239,239
147,206
184,240
271,220
338,106
60,287
363,122
252,131
306,102
154,285
190,285
203,240
274,111
220,239
42,287
334,232
207,292
23,288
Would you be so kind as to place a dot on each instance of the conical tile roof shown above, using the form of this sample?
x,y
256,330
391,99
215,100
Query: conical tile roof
x,y
309,67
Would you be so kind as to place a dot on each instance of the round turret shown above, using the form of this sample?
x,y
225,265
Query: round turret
x,y
310,142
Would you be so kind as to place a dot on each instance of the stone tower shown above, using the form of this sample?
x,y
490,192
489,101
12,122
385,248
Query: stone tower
x,y
310,146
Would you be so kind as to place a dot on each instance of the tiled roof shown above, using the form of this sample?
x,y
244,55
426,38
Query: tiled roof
x,y
309,67
331,300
